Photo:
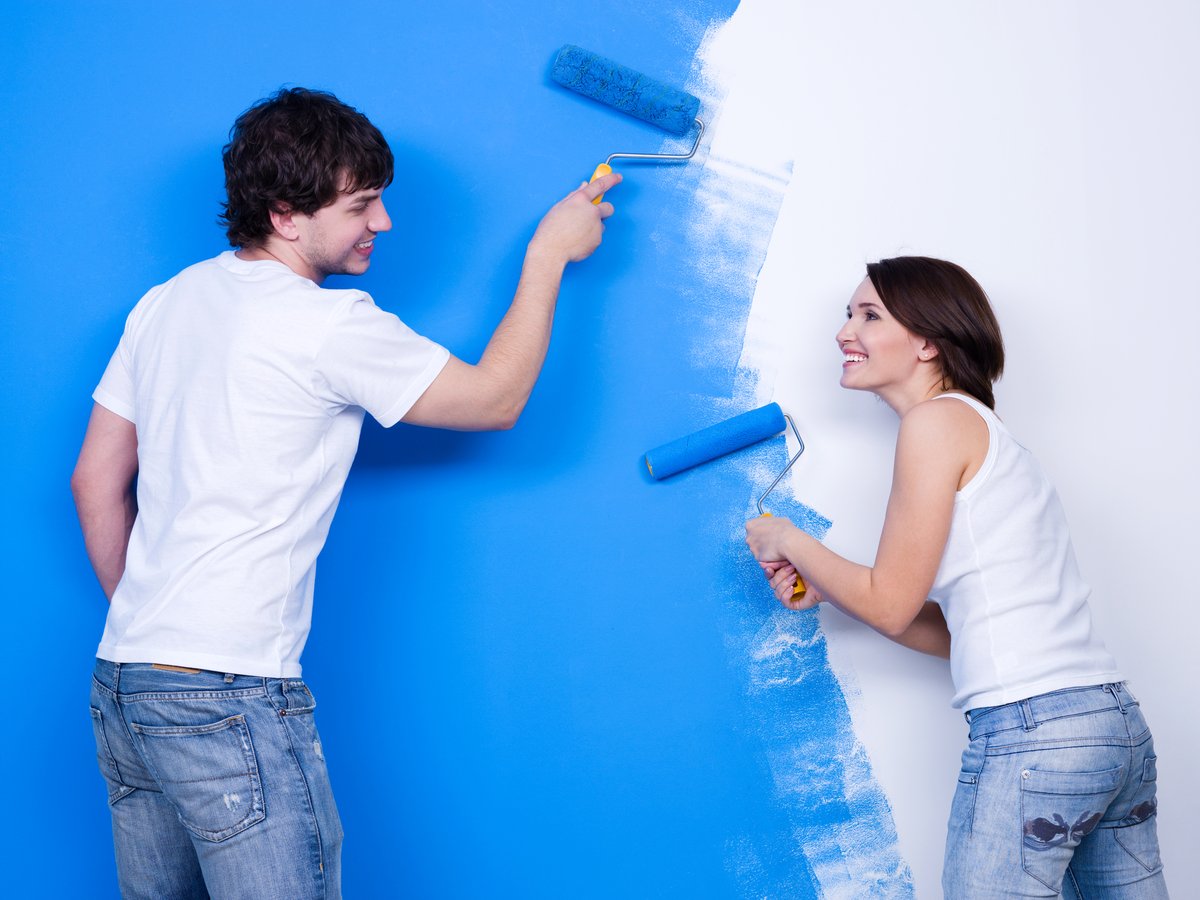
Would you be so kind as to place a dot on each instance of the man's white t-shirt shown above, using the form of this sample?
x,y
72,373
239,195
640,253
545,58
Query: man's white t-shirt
x,y
247,384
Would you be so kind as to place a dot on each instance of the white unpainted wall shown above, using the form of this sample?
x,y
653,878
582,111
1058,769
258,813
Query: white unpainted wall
x,y
1050,147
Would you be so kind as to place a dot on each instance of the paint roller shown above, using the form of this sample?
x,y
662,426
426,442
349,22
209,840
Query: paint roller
x,y
724,438
632,93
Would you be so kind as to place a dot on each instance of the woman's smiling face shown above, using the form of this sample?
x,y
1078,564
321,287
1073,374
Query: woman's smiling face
x,y
877,351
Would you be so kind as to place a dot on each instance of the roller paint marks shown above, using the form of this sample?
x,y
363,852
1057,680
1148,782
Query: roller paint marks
x,y
841,840
723,438
625,89
635,94
841,822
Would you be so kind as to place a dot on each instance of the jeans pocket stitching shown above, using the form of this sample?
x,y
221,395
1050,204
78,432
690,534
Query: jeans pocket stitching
x,y
235,725
1150,769
1119,832
299,690
1071,784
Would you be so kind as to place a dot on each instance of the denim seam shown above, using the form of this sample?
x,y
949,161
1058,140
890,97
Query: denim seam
x,y
249,773
257,811
316,825
1150,769
1061,692
977,777
215,694
122,789
1113,691
296,686
184,730
1024,864
1070,873
1057,718
1060,744
1117,836
128,730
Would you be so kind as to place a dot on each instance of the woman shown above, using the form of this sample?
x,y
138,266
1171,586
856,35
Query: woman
x,y
1057,788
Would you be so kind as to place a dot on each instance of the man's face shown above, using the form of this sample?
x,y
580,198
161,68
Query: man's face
x,y
338,239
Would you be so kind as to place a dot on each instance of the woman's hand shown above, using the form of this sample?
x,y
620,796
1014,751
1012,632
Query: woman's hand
x,y
769,537
782,575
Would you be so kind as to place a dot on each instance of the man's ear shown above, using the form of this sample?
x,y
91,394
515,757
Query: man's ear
x,y
283,222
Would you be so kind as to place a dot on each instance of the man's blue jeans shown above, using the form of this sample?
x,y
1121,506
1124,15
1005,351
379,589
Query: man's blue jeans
x,y
1057,797
217,785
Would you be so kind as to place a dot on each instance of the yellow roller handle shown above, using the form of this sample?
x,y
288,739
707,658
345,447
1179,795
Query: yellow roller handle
x,y
799,589
601,170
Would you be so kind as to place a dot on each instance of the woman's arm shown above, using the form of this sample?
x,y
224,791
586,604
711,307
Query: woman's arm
x,y
939,443
927,633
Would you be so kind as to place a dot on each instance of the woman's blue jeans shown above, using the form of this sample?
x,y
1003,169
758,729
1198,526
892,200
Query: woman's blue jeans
x,y
217,785
1056,797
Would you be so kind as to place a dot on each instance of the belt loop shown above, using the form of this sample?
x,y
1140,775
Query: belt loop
x,y
117,677
1027,716
1115,690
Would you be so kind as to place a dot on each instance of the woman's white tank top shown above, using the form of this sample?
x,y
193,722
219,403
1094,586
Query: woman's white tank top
x,y
1009,586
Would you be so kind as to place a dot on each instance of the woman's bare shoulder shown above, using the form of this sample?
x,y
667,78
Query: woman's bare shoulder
x,y
947,430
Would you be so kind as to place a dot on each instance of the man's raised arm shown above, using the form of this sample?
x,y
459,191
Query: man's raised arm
x,y
491,394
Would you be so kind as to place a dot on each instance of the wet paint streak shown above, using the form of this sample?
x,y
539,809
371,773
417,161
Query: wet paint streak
x,y
839,839
841,822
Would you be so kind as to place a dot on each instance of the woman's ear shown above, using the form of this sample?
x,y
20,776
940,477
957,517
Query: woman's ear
x,y
927,351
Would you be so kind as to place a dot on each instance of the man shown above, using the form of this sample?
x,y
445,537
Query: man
x,y
223,430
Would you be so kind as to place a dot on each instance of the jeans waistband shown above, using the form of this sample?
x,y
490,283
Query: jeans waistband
x,y
1032,711
132,677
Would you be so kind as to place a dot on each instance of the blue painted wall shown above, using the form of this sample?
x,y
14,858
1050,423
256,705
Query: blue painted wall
x,y
527,657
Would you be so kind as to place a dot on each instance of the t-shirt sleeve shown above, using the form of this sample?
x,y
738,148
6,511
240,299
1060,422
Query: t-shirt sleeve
x,y
115,391
371,359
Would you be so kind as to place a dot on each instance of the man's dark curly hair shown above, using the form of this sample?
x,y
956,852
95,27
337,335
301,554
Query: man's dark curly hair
x,y
296,150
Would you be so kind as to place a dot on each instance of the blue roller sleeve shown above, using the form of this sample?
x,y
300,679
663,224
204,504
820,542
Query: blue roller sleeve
x,y
717,440
622,88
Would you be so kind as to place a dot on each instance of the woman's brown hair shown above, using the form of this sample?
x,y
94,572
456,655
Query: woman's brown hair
x,y
941,302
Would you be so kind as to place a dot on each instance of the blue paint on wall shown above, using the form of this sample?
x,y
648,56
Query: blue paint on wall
x,y
837,838
526,659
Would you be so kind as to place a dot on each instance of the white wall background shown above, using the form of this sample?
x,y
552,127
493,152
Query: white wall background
x,y
1050,147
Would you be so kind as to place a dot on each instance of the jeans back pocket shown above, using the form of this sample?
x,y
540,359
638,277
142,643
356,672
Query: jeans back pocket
x,y
1058,810
208,772
1137,831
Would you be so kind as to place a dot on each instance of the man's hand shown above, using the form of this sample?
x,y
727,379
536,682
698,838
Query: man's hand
x,y
572,229
491,394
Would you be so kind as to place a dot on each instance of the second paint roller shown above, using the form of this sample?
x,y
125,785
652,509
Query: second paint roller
x,y
632,93
724,438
